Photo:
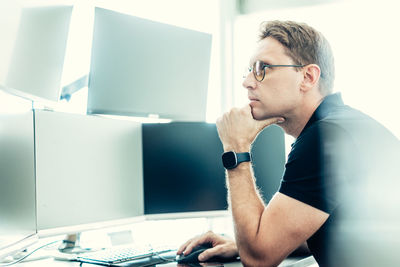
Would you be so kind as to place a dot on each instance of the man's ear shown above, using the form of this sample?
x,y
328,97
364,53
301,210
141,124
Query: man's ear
x,y
311,73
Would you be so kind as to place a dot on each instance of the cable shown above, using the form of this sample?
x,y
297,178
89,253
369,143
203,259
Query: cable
x,y
27,255
163,258
158,254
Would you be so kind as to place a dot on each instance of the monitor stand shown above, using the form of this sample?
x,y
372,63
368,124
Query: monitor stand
x,y
70,244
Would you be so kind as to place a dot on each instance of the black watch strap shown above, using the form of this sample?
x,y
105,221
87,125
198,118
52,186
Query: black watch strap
x,y
242,157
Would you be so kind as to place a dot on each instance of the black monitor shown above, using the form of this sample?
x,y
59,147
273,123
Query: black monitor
x,y
182,169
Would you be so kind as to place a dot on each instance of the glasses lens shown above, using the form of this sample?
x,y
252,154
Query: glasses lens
x,y
259,70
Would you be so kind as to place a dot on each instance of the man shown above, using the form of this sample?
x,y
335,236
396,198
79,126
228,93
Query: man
x,y
328,171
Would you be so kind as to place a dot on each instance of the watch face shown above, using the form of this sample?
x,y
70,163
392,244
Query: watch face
x,y
229,159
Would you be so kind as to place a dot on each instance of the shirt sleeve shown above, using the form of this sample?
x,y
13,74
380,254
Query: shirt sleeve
x,y
317,166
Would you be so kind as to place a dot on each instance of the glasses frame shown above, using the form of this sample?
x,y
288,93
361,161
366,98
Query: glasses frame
x,y
264,66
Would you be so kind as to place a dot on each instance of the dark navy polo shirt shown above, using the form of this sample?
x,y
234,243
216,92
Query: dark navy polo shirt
x,y
337,151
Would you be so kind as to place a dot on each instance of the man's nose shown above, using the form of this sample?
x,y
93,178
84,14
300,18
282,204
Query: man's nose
x,y
249,82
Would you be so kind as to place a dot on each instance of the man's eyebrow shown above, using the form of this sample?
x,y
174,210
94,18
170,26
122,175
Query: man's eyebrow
x,y
251,62
266,61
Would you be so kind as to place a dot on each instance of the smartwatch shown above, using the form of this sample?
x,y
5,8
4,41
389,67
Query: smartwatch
x,y
231,159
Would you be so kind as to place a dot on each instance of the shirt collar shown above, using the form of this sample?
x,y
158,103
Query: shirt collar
x,y
326,106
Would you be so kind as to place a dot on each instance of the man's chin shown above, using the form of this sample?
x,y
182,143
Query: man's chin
x,y
256,116
254,113
261,117
259,114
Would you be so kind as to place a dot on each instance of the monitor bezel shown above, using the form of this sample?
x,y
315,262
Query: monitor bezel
x,y
188,215
79,228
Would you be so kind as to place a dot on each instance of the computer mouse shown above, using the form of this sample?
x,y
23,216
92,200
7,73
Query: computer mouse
x,y
193,256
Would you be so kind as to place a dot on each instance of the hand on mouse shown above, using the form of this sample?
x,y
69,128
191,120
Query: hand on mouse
x,y
222,246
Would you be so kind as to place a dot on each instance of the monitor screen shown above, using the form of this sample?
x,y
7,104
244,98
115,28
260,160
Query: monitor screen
x,y
32,49
141,67
183,172
17,181
89,172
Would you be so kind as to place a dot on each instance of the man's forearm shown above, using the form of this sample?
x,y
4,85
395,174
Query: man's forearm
x,y
246,205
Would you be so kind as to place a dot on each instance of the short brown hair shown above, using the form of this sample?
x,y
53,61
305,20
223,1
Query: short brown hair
x,y
304,45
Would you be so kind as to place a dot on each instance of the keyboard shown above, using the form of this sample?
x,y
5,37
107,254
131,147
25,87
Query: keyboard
x,y
116,255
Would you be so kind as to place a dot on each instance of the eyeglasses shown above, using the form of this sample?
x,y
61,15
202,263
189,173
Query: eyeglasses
x,y
259,67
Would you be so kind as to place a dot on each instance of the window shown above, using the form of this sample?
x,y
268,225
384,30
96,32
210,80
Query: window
x,y
365,40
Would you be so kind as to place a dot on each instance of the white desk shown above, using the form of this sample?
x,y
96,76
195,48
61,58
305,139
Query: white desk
x,y
290,262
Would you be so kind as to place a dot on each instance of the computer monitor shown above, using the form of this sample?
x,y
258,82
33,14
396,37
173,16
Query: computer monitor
x,y
32,49
183,174
88,172
268,157
17,182
141,67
